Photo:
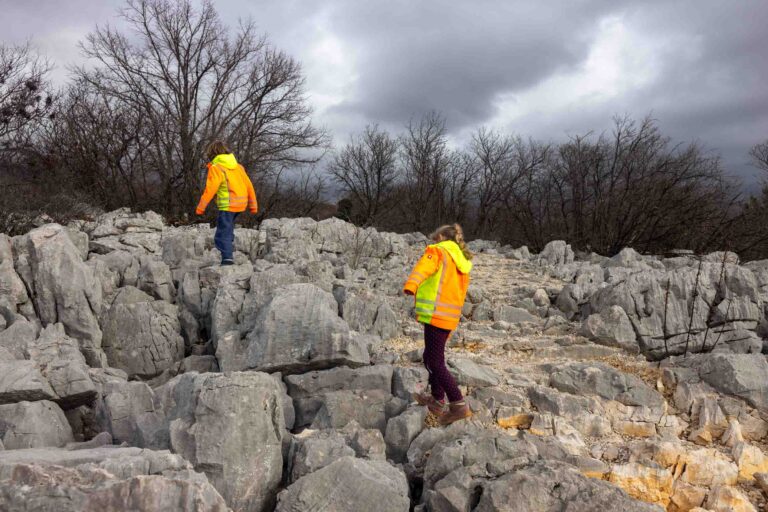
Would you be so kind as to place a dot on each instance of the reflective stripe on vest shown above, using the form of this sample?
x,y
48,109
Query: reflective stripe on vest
x,y
426,309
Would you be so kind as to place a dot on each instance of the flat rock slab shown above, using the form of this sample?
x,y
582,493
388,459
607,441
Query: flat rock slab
x,y
553,486
605,382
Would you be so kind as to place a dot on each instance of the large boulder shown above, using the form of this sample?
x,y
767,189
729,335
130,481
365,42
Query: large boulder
x,y
611,327
349,484
33,425
230,426
300,330
555,253
105,479
133,415
741,375
142,335
63,287
63,365
677,311
22,380
314,449
370,409
309,390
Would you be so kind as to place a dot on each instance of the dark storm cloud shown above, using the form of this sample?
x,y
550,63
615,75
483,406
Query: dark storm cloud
x,y
421,56
529,67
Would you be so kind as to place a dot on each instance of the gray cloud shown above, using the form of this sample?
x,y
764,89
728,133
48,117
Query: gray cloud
x,y
546,69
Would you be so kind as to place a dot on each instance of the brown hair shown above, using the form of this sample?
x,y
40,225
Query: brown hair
x,y
217,147
455,233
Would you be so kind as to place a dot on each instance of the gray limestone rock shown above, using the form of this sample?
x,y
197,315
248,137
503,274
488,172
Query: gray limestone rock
x,y
155,278
611,327
231,426
606,382
62,364
548,485
22,380
300,330
402,430
133,415
469,373
512,314
556,252
407,381
348,485
741,375
314,450
309,390
62,285
33,425
142,335
108,479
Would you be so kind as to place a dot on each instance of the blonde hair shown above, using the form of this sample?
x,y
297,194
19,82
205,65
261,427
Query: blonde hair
x,y
455,233
217,147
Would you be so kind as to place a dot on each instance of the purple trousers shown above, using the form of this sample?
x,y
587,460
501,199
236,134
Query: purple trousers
x,y
441,381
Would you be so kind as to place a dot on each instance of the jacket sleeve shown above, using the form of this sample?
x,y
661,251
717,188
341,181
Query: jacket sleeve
x,y
253,205
212,183
425,267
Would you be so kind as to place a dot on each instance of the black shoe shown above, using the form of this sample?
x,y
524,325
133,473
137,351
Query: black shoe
x,y
225,263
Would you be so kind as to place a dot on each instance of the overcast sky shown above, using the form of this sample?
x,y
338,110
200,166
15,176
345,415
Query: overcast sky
x,y
542,69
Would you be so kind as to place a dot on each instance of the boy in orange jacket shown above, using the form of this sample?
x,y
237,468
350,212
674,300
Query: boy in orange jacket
x,y
228,181
439,282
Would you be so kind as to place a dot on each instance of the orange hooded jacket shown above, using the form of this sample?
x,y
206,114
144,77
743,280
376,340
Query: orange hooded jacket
x,y
439,281
228,181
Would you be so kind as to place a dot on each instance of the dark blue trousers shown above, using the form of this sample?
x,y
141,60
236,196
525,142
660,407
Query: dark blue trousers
x,y
224,239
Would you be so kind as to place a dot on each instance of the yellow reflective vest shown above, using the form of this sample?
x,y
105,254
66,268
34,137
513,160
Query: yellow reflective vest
x,y
229,182
439,281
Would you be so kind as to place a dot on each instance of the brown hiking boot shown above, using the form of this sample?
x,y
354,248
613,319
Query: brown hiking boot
x,y
456,411
435,407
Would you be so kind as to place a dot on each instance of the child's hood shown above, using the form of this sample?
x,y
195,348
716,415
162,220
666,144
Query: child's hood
x,y
461,261
227,160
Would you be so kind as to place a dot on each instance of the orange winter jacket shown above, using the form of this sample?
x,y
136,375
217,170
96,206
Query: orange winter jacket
x,y
228,181
439,281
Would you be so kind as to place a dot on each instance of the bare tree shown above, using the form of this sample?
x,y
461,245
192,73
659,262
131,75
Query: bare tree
x,y
425,160
493,156
759,154
367,168
25,98
187,79
292,194
458,192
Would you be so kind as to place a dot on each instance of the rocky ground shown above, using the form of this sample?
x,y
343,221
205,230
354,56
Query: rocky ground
x,y
136,373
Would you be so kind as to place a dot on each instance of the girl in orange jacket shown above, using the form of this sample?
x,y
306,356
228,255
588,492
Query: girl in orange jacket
x,y
439,282
228,181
